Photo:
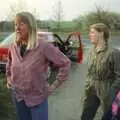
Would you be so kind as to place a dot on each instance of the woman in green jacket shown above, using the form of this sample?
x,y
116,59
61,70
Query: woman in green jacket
x,y
103,76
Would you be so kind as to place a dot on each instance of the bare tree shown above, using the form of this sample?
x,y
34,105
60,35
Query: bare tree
x,y
20,6
15,8
58,14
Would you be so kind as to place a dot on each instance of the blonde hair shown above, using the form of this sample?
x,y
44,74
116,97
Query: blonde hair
x,y
101,27
29,19
103,38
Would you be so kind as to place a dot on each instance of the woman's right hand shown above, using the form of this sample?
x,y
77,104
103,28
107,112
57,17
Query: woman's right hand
x,y
9,85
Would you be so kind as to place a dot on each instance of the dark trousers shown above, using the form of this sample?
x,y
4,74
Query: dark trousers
x,y
108,115
90,107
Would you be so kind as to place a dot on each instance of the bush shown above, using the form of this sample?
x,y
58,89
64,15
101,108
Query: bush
x,y
6,106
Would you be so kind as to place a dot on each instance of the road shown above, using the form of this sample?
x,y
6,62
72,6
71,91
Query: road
x,y
66,102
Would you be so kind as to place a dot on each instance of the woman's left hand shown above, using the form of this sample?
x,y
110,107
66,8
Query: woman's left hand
x,y
51,88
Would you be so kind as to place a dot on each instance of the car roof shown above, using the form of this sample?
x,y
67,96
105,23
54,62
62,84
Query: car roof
x,y
10,39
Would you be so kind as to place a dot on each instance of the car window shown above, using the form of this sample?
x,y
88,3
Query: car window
x,y
8,40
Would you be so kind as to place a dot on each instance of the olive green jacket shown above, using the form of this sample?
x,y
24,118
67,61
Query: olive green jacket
x,y
103,77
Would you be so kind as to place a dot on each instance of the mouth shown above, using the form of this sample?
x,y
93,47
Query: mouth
x,y
18,32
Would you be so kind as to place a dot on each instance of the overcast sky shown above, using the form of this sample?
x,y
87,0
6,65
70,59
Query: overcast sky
x,y
71,8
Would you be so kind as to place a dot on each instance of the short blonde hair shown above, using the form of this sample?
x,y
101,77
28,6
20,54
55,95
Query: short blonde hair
x,y
29,19
101,27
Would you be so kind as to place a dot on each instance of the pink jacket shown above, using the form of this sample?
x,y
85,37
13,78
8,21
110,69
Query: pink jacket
x,y
28,74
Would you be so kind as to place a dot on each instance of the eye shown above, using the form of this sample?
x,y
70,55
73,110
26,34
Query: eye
x,y
21,24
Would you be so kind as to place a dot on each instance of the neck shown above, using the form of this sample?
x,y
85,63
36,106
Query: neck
x,y
101,47
22,42
96,45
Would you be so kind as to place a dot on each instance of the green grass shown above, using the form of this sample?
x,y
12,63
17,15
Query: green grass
x,y
6,105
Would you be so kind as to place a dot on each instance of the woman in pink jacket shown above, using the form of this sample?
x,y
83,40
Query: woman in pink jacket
x,y
27,66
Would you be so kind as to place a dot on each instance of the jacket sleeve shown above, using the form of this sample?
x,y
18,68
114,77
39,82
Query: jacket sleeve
x,y
63,64
116,71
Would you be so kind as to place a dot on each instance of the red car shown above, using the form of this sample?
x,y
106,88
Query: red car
x,y
74,52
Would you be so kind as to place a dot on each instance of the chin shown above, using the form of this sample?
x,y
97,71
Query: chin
x,y
92,42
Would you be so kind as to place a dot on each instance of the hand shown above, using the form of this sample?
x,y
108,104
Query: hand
x,y
51,88
8,86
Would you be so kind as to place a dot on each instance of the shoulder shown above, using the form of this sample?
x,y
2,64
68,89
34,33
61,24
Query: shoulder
x,y
115,51
115,55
